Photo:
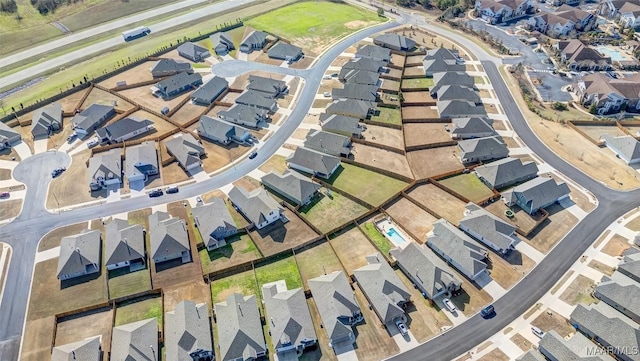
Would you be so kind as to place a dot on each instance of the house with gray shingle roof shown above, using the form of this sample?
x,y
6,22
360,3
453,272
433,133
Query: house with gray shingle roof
x,y
257,206
136,341
254,41
337,307
384,290
46,120
608,331
141,161
365,64
443,53
105,169
621,293
186,149
458,92
187,329
531,355
193,52
291,185
313,162
450,78
458,249
329,143
289,320
505,172
428,272
340,124
368,93
245,115
374,52
8,136
124,129
169,238
79,255
88,120
555,347
257,99
482,149
177,84
625,147
630,264
221,43
214,223
488,229
268,87
124,245
358,109
210,91
88,349
438,65
472,127
240,333
168,67
362,77
460,109
394,42
285,51
221,131
536,193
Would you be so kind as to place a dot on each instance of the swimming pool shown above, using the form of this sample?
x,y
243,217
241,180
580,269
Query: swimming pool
x,y
615,55
395,237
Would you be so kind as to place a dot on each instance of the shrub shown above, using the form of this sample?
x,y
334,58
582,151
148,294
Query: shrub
x,y
559,106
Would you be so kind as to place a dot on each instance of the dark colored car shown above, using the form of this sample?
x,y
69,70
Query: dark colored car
x,y
253,154
4,194
156,193
170,190
487,311
56,172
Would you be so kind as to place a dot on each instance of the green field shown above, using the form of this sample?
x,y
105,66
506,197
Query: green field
x,y
328,212
388,116
239,249
469,186
133,311
316,261
244,283
420,83
381,242
371,187
124,283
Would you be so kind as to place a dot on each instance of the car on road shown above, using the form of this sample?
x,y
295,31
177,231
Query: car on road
x,y
56,172
156,193
402,327
170,190
449,305
253,154
536,331
487,311
4,195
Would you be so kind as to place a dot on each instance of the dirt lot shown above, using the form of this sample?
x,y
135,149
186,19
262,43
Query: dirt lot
x,y
144,97
471,300
71,102
508,271
439,201
195,290
469,186
553,229
187,112
239,249
550,320
10,208
316,261
434,161
599,266
495,355
414,71
419,112
383,159
521,219
219,155
65,187
276,163
425,133
520,341
135,75
411,218
278,237
52,239
79,327
418,97
616,246
579,291
351,248
372,341
98,96
383,135
38,335
596,131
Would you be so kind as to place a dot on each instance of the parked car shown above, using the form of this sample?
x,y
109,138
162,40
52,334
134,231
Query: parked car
x,y
327,94
536,331
156,193
253,154
92,143
56,172
4,195
449,305
198,199
402,327
328,76
173,189
72,136
487,311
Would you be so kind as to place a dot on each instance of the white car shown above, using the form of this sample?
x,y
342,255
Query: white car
x,y
92,143
536,331
326,94
449,305
402,327
327,77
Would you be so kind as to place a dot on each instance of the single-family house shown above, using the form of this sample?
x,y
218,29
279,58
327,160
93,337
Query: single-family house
x,y
437,65
221,131
621,293
210,91
136,341
88,349
169,238
124,245
187,330
221,43
340,124
458,249
531,355
193,52
506,172
289,320
329,143
141,161
458,92
313,162
256,40
291,185
625,147
630,264
383,289
168,67
285,51
124,129
610,95
460,109
362,77
428,272
257,206
578,56
365,64
85,122
557,348
394,42
630,15
79,255
177,84
105,169
472,127
214,223
268,87
353,108
186,149
450,78
240,334
374,52
337,307
368,93
244,115
536,193
46,120
488,229
257,100
8,136
482,149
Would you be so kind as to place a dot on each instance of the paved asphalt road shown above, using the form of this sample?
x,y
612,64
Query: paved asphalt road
x,y
24,233
73,56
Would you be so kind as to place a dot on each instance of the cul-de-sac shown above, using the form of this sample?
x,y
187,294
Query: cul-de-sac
x,y
336,180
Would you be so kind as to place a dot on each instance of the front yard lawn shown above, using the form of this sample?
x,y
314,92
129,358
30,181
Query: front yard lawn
x,y
327,212
371,187
469,186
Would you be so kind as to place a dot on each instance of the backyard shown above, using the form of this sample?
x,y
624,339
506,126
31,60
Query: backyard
x,y
278,236
388,116
317,261
469,186
419,83
239,249
371,187
328,211
413,219
244,282
439,202
138,310
122,283
381,242
351,248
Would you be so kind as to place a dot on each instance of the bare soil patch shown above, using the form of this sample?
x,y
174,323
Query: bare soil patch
x,y
425,133
579,291
616,246
383,159
98,96
552,229
139,74
434,161
599,266
520,341
385,136
278,237
188,112
419,112
495,355
79,327
413,71
440,202
10,208
413,219
71,103
418,97
550,320
351,248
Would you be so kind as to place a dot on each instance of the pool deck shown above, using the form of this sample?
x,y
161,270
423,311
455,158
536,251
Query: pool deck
x,y
386,225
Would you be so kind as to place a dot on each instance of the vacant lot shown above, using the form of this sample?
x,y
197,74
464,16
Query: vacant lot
x,y
412,218
351,248
36,345
239,249
139,309
328,212
579,291
596,131
550,320
521,219
64,191
507,271
552,229
469,186
433,162
381,242
386,136
278,237
373,341
421,83
382,159
420,97
10,208
277,163
425,133
364,184
78,327
388,116
440,202
244,282
317,261
616,246
124,283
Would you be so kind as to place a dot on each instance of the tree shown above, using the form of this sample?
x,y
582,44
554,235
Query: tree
x,y
8,6
593,109
559,106
2,107
630,33
380,12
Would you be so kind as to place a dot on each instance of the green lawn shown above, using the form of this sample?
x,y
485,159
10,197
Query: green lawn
x,y
381,242
328,212
124,283
417,83
316,261
283,269
372,187
239,249
469,186
133,311
236,37
244,283
388,115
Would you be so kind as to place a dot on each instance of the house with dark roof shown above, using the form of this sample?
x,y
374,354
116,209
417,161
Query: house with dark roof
x,y
79,255
351,108
337,307
135,341
285,51
221,43
578,56
630,264
610,95
365,64
187,330
221,131
257,100
210,91
8,136
362,77
193,52
124,129
141,161
289,320
169,238
124,245
368,93
472,127
88,349
482,149
168,67
105,169
428,272
240,334
177,84
88,120
460,109
625,147
46,120
257,206
245,115
383,289
437,64
555,347
488,229
214,223
394,42
268,87
374,52
313,162
458,92
329,143
458,249
450,78
531,355
621,293
256,40
340,124
506,172
186,149
291,185
536,193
